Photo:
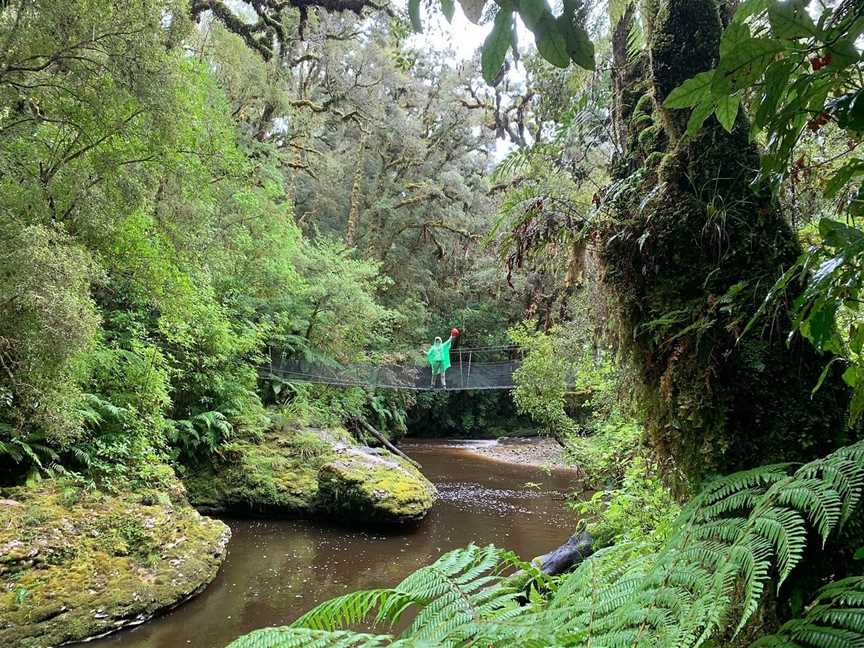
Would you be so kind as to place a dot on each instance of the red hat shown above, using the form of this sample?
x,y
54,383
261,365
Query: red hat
x,y
454,332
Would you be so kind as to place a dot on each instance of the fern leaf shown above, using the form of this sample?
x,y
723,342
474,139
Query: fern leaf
x,y
306,638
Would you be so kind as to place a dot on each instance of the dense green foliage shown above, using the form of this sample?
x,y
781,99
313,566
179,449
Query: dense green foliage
x,y
806,96
578,400
693,238
168,217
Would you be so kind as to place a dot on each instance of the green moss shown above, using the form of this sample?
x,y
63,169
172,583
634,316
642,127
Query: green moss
x,y
684,40
690,255
655,159
311,471
644,106
380,487
649,138
266,476
96,563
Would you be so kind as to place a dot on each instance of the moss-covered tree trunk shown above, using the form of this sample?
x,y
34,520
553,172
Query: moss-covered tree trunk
x,y
693,251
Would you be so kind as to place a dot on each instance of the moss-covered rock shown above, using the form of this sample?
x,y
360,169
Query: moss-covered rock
x,y
369,484
306,471
255,477
76,564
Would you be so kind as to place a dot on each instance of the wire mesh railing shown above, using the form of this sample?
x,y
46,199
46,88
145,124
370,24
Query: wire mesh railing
x,y
472,368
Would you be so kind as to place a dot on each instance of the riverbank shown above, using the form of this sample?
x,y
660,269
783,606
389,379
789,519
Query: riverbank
x,y
539,451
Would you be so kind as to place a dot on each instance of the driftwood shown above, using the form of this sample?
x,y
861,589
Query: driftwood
x,y
385,442
577,548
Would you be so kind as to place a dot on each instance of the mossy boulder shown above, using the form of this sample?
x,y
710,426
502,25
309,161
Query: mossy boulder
x,y
255,477
368,484
312,472
75,564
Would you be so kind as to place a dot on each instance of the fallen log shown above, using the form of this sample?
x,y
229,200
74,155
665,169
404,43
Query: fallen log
x,y
576,549
385,442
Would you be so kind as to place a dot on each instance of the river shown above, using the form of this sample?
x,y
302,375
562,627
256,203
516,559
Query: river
x,y
277,569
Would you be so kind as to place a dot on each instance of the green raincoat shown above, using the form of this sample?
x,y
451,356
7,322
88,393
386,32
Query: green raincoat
x,y
439,356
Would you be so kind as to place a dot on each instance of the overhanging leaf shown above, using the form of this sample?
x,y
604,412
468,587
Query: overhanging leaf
x,y
823,375
448,7
579,45
836,234
473,9
496,44
849,111
691,92
843,54
532,13
748,60
749,8
733,35
699,115
789,19
773,90
845,174
552,45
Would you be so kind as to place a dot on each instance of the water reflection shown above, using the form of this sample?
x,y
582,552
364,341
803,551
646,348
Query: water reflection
x,y
277,569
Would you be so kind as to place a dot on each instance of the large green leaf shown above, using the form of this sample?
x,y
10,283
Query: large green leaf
x,y
747,61
749,8
726,110
579,45
691,92
699,115
776,80
843,176
414,15
532,13
844,53
496,45
551,43
837,235
789,19
733,35
849,111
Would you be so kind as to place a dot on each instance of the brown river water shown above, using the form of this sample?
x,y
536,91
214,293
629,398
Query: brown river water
x,y
278,569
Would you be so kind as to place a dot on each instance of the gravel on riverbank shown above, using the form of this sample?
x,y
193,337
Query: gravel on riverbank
x,y
539,451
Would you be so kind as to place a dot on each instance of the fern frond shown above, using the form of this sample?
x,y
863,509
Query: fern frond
x,y
836,620
353,608
305,638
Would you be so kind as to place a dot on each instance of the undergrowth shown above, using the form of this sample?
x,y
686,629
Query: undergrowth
x,y
638,509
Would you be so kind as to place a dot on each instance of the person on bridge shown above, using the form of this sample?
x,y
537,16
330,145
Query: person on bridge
x,y
439,357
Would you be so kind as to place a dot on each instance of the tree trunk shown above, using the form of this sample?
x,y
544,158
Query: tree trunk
x,y
356,198
692,253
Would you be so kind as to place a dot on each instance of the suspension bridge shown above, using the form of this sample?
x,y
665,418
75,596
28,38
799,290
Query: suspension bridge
x,y
472,368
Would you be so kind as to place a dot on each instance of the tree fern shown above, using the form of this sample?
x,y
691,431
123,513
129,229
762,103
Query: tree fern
x,y
834,620
740,534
